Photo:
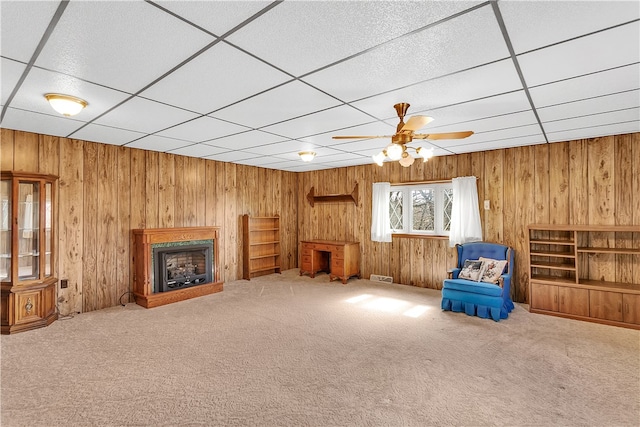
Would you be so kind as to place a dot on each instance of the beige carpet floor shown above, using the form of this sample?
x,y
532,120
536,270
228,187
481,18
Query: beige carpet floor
x,y
284,350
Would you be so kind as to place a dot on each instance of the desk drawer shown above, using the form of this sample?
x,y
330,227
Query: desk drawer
x,y
306,251
322,247
306,259
337,263
338,253
306,266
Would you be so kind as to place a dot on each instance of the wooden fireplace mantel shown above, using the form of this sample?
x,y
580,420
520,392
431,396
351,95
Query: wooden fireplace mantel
x,y
143,239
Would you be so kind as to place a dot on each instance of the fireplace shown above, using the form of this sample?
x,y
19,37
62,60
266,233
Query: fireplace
x,y
178,266
173,264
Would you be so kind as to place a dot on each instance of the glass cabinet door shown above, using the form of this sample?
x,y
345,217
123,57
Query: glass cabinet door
x,y
48,236
28,230
5,230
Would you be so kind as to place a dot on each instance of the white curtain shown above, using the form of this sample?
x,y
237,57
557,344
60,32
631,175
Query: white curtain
x,y
380,224
465,213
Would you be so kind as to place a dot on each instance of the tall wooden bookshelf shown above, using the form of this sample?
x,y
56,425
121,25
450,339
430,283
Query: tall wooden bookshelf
x,y
585,272
261,245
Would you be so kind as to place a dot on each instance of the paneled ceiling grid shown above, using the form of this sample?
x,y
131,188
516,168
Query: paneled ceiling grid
x,y
256,82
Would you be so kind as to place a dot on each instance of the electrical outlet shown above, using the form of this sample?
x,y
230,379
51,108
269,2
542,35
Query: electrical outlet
x,y
64,283
487,205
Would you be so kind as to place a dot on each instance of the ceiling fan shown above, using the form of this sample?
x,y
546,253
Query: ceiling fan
x,y
405,134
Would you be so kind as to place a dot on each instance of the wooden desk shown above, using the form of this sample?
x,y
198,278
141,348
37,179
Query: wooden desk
x,y
340,259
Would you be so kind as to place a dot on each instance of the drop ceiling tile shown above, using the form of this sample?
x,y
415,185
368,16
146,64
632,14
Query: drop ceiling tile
x,y
11,72
123,45
105,134
307,167
332,158
47,124
217,17
562,19
202,129
245,140
285,102
363,145
157,143
611,48
505,121
496,145
492,79
466,41
371,128
595,131
223,74
355,161
198,150
612,117
23,25
494,135
141,115
30,96
319,33
598,84
493,106
262,161
601,104
284,164
232,156
278,148
324,121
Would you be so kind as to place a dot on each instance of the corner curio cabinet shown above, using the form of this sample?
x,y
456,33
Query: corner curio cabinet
x,y
27,251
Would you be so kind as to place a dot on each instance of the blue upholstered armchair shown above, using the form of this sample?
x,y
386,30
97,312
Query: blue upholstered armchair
x,y
477,298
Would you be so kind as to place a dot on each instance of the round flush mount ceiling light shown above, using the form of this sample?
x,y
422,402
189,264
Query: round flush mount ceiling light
x,y
66,105
307,156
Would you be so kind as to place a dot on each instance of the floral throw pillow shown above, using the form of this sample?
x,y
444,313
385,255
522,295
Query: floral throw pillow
x,y
471,270
493,269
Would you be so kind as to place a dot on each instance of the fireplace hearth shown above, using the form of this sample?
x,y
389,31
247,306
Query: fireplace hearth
x,y
174,264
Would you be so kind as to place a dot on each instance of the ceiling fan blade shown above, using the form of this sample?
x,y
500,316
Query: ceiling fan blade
x,y
450,135
415,123
360,136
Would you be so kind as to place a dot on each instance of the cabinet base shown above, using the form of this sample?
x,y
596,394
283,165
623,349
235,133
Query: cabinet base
x,y
41,323
586,319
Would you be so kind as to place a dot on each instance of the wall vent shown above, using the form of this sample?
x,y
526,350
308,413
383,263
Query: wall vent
x,y
379,278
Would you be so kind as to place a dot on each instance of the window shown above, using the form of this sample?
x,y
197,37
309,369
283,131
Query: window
x,y
421,209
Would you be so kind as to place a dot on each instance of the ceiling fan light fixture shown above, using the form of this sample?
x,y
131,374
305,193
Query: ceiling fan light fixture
x,y
307,156
406,160
394,151
425,153
66,105
379,158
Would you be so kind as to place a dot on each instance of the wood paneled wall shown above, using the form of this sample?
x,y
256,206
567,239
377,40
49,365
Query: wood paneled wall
x,y
594,181
105,191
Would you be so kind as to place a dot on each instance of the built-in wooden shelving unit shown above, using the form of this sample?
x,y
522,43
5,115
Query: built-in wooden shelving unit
x,y
585,272
261,250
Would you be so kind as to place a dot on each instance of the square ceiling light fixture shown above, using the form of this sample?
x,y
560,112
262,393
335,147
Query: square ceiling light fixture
x,y
66,105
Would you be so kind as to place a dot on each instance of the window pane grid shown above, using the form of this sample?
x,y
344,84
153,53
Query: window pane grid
x,y
395,210
448,204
